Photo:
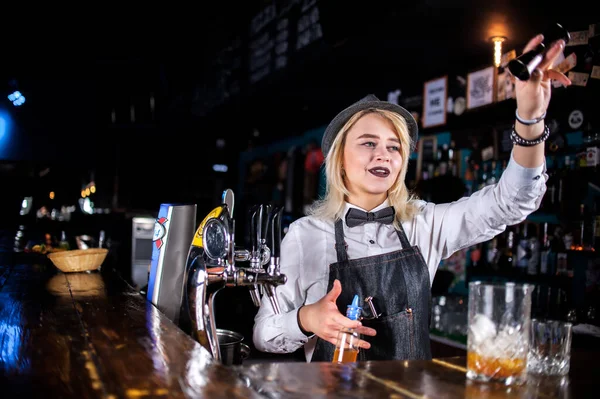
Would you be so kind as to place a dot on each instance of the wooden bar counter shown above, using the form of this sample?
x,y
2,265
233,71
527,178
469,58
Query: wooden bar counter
x,y
90,335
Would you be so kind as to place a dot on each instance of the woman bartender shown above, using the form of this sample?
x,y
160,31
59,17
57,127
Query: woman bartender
x,y
369,237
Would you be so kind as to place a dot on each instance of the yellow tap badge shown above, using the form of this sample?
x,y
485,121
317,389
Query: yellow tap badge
x,y
215,213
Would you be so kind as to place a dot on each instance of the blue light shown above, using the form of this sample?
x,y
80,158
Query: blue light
x,y
220,168
17,98
5,128
14,96
10,346
2,127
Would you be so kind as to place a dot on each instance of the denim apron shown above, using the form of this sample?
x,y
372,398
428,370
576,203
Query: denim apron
x,y
399,284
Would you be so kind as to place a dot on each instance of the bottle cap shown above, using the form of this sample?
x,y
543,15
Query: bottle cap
x,y
353,311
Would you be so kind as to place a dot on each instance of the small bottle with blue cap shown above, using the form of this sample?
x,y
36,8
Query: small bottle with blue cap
x,y
346,349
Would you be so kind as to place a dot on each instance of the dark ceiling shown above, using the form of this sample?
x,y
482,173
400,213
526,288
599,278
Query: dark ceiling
x,y
76,67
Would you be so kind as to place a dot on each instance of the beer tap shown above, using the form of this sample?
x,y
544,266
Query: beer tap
x,y
273,268
255,225
211,266
261,254
265,218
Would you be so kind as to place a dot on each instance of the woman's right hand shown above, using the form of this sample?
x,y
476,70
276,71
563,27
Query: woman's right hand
x,y
323,318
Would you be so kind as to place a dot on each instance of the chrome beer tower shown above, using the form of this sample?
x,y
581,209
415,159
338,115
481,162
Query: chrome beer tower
x,y
211,265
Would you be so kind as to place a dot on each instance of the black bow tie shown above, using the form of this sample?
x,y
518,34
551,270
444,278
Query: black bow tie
x,y
356,217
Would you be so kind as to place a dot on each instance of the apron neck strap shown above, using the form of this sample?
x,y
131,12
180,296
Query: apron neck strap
x,y
402,236
340,243
341,248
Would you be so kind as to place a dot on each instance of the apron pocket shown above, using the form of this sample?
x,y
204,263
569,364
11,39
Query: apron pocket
x,y
395,339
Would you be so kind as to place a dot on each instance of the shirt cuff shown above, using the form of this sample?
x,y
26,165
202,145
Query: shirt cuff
x,y
520,176
290,321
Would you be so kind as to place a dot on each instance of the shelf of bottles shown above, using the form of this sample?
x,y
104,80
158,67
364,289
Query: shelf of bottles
x,y
556,248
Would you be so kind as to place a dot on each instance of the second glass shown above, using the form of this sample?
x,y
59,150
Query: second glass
x,y
550,348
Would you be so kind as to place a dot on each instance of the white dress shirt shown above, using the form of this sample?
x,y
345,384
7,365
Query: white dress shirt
x,y
438,230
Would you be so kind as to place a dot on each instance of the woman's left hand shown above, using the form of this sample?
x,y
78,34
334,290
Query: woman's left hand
x,y
533,95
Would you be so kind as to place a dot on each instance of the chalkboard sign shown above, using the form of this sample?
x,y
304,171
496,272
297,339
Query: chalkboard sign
x,y
274,35
277,31
309,27
281,43
260,62
268,47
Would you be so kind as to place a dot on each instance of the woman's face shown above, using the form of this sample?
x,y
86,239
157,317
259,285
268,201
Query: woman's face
x,y
372,160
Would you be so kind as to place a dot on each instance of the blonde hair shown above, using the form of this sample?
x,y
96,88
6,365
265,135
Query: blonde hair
x,y
331,207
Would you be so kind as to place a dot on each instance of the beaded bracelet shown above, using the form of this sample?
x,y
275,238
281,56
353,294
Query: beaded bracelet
x,y
529,122
518,140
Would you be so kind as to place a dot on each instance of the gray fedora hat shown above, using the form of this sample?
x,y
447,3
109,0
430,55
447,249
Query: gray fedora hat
x,y
367,102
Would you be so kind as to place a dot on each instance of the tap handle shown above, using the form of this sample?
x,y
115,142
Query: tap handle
x,y
264,222
276,237
258,227
254,213
227,198
276,232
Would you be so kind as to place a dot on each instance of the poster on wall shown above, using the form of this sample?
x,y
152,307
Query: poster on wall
x,y
435,98
480,87
505,86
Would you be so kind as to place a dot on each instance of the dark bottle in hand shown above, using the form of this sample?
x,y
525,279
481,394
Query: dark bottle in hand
x,y
523,66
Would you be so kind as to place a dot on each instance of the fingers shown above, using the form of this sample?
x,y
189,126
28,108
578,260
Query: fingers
x,y
552,54
371,332
363,344
343,321
331,322
331,332
533,42
332,325
555,75
332,295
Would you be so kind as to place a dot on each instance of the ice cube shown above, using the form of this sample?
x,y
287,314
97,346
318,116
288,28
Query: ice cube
x,y
511,342
482,329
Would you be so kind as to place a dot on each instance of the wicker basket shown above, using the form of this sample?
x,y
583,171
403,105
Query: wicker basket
x,y
79,260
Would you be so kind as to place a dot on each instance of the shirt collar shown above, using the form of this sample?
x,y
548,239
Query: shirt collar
x,y
384,204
